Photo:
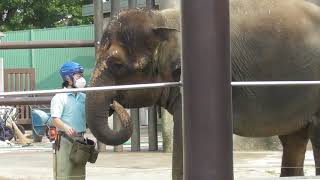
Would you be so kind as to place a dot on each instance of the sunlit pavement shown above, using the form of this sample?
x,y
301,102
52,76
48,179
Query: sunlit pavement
x,y
35,162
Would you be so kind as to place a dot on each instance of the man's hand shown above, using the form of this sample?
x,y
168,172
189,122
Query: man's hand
x,y
57,122
69,130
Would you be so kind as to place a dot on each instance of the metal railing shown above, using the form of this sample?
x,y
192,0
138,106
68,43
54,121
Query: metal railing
x,y
152,85
91,89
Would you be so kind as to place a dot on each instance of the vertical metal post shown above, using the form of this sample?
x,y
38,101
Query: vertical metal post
x,y
98,21
207,122
135,138
98,31
152,129
132,4
134,113
115,7
152,112
150,4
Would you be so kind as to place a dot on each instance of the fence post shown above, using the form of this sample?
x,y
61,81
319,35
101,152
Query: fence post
x,y
98,30
132,4
115,7
134,113
150,4
135,138
152,129
207,125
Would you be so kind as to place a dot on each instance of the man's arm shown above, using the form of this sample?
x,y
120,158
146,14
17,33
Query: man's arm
x,y
57,122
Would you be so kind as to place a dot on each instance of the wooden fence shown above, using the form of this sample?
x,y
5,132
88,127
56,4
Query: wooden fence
x,y
20,79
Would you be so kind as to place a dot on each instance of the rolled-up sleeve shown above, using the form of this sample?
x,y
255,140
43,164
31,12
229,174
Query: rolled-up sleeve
x,y
56,107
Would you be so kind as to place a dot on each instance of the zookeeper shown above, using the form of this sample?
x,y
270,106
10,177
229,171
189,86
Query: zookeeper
x,y
71,150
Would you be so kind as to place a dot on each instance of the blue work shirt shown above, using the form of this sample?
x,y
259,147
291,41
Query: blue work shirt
x,y
70,109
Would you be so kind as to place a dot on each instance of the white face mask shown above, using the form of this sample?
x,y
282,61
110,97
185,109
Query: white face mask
x,y
80,83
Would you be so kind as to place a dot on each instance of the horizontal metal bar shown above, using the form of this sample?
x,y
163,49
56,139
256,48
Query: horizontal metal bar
x,y
275,83
156,85
46,44
88,89
10,101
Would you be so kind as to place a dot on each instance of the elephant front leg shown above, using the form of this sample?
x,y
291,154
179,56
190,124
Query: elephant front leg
x,y
177,154
294,149
314,134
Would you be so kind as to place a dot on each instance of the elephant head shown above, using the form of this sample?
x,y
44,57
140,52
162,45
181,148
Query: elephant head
x,y
138,46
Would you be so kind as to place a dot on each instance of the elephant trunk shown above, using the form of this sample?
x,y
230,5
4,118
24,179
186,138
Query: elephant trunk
x,y
97,112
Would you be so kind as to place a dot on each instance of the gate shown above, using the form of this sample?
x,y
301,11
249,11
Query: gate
x,y
20,79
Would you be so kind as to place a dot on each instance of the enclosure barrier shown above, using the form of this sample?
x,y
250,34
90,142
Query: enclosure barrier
x,y
92,89
46,99
143,86
46,44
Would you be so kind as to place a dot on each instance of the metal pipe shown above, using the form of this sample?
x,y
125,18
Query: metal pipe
x,y
156,85
91,89
10,101
46,44
275,83
207,122
132,4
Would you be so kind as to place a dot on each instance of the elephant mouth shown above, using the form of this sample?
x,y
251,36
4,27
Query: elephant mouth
x,y
120,99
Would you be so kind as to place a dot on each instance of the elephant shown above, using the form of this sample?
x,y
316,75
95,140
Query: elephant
x,y
270,40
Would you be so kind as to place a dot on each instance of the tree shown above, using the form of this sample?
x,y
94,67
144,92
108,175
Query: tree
x,y
30,14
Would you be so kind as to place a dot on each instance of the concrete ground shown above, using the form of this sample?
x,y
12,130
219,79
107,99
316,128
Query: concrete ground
x,y
33,163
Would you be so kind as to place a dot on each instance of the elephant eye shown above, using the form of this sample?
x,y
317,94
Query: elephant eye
x,y
116,67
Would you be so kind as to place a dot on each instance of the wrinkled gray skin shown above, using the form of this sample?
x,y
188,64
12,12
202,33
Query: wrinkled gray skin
x,y
270,41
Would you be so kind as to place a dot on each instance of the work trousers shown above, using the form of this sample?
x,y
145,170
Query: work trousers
x,y
63,168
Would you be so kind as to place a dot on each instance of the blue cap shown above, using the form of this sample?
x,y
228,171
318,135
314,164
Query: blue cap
x,y
69,69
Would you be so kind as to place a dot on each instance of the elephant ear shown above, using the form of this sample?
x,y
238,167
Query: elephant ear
x,y
163,33
170,22
167,55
